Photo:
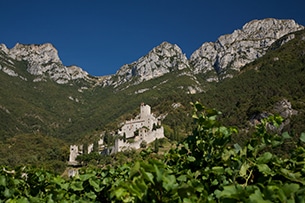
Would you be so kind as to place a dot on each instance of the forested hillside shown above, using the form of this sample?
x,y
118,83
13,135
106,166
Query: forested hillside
x,y
80,110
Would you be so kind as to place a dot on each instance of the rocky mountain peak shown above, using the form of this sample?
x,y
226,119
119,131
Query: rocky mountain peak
x,y
44,62
232,51
162,59
4,49
270,27
43,53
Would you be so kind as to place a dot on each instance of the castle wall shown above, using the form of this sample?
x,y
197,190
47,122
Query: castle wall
x,y
131,126
120,145
73,153
153,135
148,137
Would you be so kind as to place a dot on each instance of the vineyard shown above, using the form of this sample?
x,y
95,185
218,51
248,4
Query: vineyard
x,y
205,167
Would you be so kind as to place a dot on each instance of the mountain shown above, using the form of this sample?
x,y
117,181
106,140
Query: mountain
x,y
43,62
216,60
231,52
160,60
245,75
270,85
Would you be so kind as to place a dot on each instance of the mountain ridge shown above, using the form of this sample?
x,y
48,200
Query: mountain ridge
x,y
44,62
219,59
232,51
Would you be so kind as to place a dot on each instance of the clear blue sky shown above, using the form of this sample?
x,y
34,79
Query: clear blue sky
x,y
102,35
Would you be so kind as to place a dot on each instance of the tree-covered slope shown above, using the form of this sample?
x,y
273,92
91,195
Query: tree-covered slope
x,y
261,84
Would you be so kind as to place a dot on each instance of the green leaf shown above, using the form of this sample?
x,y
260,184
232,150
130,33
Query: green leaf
x,y
290,189
187,200
218,170
7,193
120,193
50,199
213,118
147,176
2,181
95,185
237,147
191,158
22,200
169,182
182,178
158,173
85,177
139,188
77,186
215,182
276,143
276,192
286,135
302,137
58,180
243,169
257,196
64,186
134,170
223,130
264,168
265,158
90,195
229,191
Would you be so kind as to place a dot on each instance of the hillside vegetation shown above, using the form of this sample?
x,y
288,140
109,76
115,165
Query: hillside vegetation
x,y
276,76
205,167
47,110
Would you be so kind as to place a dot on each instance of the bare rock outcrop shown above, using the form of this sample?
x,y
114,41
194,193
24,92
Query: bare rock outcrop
x,y
232,51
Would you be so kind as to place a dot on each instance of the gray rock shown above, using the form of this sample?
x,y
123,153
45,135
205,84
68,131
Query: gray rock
x,y
160,60
44,62
233,51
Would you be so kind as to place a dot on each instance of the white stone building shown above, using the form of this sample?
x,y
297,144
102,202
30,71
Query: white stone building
x,y
144,128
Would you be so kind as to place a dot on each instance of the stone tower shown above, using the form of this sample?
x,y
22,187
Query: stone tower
x,y
74,152
145,111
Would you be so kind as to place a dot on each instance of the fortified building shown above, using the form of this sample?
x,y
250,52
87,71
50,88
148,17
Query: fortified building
x,y
143,129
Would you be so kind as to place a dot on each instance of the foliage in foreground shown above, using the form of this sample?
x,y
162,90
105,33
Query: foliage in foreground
x,y
203,168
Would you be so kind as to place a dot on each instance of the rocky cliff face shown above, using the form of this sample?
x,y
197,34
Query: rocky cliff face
x,y
232,51
44,62
160,60
214,60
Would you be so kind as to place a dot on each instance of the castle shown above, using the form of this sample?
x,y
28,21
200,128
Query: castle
x,y
143,129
